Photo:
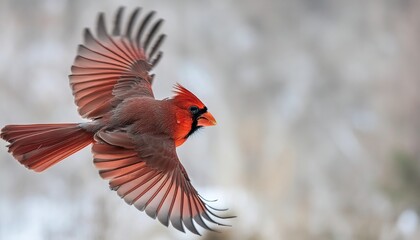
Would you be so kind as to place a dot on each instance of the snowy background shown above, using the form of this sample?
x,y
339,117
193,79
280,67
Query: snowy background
x,y
317,103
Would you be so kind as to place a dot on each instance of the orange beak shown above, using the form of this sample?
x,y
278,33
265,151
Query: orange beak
x,y
206,119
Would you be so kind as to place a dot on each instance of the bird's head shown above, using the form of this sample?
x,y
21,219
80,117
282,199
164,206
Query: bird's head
x,y
193,113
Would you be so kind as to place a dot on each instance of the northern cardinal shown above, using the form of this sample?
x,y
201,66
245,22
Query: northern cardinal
x,y
134,135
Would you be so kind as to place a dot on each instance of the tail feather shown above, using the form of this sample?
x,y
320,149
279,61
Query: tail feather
x,y
39,146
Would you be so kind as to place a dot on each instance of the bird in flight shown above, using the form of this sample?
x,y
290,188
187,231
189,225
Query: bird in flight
x,y
133,135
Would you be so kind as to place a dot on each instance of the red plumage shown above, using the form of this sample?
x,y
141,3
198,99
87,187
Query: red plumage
x,y
134,135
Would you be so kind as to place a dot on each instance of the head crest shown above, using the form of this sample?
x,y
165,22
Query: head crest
x,y
184,95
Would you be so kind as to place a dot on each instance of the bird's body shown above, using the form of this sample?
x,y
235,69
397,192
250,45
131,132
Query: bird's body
x,y
141,115
134,135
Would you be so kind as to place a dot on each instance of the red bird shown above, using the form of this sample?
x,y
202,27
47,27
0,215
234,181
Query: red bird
x,y
134,135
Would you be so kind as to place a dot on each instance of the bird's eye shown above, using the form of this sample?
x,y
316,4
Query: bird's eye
x,y
194,109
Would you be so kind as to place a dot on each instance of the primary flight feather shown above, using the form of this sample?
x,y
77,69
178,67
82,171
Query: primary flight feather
x,y
134,135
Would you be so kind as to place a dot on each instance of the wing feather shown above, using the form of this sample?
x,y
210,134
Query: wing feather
x,y
152,33
130,24
149,175
157,45
142,27
110,59
117,22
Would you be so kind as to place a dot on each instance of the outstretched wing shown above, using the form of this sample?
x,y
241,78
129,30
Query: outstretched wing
x,y
112,67
146,172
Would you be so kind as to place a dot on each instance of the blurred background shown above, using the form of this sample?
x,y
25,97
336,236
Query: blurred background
x,y
318,105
